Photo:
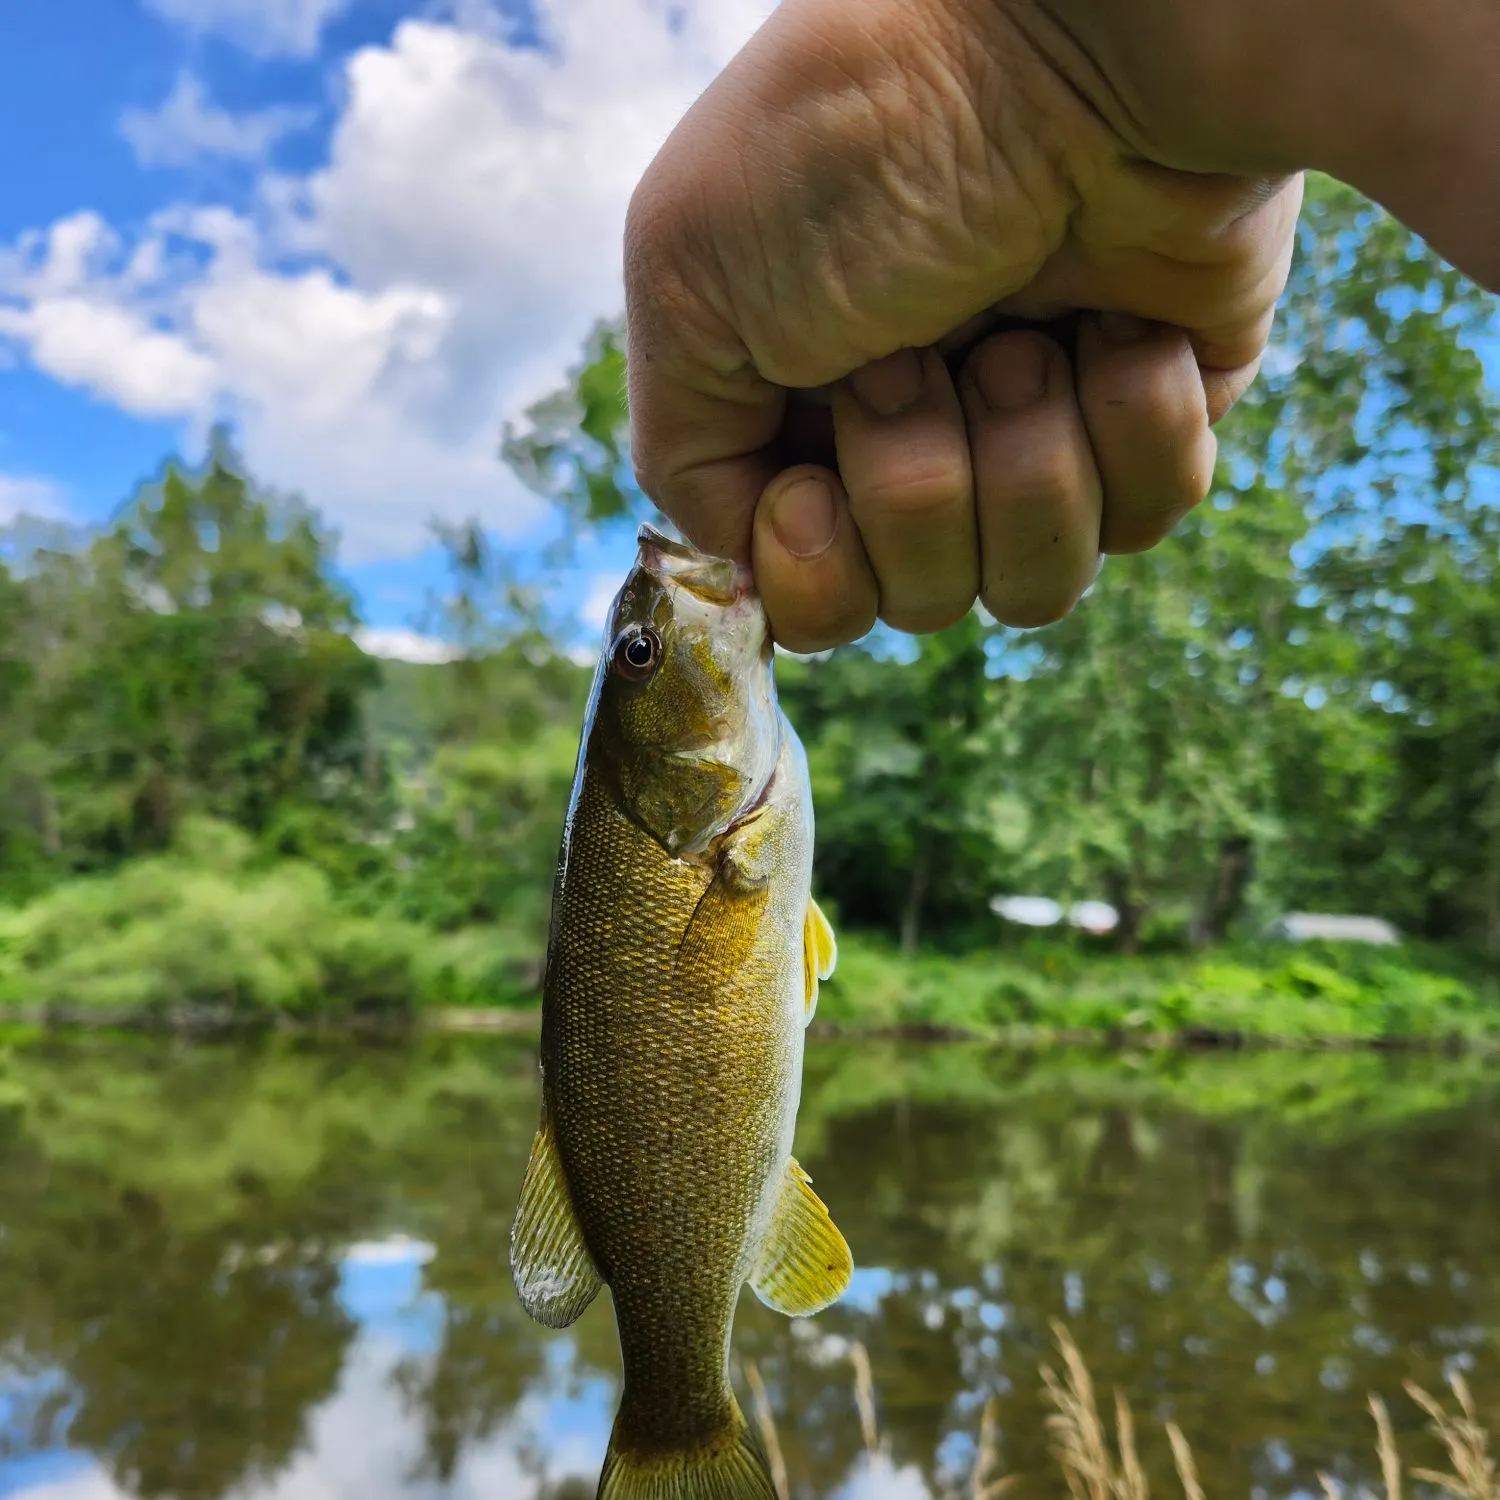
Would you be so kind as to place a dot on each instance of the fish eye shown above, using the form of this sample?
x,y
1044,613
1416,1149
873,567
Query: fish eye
x,y
637,655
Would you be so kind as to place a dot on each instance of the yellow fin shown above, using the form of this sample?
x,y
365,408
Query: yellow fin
x,y
820,953
805,1264
728,1465
554,1273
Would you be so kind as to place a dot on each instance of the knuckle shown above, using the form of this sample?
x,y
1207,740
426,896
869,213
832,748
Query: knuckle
x,y
1054,478
1137,521
913,494
1029,610
819,624
926,618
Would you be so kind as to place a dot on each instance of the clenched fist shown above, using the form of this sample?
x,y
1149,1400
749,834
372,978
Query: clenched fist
x,y
931,300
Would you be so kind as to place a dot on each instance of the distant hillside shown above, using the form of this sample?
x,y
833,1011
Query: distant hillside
x,y
407,706
418,705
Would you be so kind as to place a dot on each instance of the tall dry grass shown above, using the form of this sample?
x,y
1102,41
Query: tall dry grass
x,y
1097,1464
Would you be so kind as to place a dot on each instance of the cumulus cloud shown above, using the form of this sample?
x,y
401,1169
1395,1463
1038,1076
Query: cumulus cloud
x,y
876,1477
372,325
30,495
394,644
598,599
366,1439
87,320
187,125
266,28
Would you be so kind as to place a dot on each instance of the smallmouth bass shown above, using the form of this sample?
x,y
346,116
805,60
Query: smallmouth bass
x,y
682,968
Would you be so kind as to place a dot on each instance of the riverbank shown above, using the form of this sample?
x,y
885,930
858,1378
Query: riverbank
x,y
191,946
207,940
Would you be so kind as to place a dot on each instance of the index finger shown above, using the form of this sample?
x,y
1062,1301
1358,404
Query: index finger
x,y
703,421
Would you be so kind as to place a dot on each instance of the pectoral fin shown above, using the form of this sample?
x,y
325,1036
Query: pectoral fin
x,y
554,1273
820,953
805,1264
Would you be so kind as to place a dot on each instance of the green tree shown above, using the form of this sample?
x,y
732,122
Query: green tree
x,y
904,776
195,656
485,811
1256,691
1287,702
573,445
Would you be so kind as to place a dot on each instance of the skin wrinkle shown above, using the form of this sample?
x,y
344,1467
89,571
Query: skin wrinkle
x,y
1068,48
886,196
1011,149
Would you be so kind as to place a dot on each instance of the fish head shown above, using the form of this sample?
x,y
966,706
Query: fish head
x,y
685,714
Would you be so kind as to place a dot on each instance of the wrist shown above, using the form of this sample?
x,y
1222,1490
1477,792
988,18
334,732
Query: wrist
x,y
1413,122
1399,98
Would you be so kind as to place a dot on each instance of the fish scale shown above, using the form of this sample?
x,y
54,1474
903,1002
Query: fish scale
x,y
683,965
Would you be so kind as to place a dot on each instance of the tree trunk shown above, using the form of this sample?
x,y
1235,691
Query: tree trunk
x,y
1132,913
916,896
1226,893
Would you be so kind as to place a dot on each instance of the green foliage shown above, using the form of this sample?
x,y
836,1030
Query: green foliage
x,y
1290,703
1321,993
574,446
204,927
194,657
200,926
903,778
482,803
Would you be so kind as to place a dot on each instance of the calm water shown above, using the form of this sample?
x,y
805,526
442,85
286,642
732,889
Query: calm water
x,y
282,1271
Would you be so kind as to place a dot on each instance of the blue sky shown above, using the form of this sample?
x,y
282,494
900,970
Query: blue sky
x,y
364,233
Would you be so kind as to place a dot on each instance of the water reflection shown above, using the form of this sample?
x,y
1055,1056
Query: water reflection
x,y
281,1271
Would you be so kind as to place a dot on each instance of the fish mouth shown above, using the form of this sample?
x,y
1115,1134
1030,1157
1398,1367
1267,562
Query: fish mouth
x,y
757,807
715,580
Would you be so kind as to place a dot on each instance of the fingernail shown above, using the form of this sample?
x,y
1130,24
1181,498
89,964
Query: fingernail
x,y
1012,376
803,516
891,385
1122,328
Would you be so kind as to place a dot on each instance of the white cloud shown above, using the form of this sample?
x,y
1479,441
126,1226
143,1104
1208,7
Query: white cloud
x,y
87,323
267,28
88,341
30,495
186,125
395,644
875,1477
366,1440
598,598
373,326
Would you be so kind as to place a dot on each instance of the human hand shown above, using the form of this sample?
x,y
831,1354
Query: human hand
x,y
867,188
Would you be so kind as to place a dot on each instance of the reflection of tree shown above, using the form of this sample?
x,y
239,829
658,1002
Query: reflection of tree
x,y
1247,1244
187,1373
191,1381
469,1159
170,1232
1215,1265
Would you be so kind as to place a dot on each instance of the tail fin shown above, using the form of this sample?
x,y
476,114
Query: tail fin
x,y
727,1466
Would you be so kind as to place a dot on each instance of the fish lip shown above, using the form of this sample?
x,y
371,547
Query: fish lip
x,y
716,580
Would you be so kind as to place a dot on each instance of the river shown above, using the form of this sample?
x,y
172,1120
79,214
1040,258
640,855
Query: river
x,y
280,1270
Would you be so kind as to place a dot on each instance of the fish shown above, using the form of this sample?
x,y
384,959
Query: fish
x,y
683,964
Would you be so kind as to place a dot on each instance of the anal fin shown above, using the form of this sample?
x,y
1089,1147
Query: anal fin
x,y
805,1264
820,954
554,1273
